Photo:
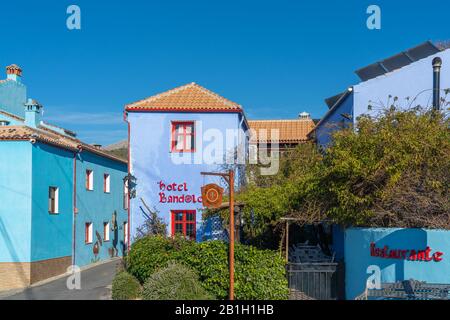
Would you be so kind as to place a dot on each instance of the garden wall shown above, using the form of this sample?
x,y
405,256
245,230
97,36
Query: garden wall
x,y
400,254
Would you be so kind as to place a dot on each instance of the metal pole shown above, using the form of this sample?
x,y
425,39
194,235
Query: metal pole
x,y
231,182
287,241
437,64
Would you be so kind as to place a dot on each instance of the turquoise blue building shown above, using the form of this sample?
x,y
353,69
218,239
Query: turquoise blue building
x,y
173,137
64,202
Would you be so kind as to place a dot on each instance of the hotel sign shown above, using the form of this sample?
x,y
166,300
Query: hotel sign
x,y
426,254
212,195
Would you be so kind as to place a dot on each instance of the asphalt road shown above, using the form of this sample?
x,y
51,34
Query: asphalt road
x,y
95,285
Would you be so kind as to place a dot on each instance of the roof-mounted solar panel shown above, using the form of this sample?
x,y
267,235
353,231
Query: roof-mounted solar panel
x,y
331,101
422,51
371,71
398,61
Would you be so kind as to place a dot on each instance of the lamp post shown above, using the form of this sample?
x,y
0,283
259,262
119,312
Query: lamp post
x,y
229,178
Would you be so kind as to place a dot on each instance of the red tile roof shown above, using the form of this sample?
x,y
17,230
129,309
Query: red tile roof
x,y
191,97
45,135
289,131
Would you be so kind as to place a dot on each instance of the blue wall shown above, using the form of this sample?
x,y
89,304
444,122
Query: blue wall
x,y
15,197
13,95
152,160
51,233
334,121
98,207
358,257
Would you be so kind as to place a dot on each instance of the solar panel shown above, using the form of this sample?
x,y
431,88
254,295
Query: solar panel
x,y
331,101
398,61
424,50
370,72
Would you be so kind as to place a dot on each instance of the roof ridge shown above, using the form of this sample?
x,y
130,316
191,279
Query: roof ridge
x,y
155,98
216,95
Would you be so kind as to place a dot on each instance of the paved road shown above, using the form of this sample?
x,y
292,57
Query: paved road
x,y
95,285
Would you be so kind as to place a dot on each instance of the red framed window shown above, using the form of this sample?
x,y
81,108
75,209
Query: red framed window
x,y
89,180
183,136
183,222
106,183
88,233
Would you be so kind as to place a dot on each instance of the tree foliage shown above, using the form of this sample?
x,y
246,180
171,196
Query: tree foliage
x,y
389,171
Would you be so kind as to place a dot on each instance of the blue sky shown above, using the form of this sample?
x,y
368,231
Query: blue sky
x,y
275,58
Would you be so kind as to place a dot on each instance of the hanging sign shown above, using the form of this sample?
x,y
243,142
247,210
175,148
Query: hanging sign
x,y
212,195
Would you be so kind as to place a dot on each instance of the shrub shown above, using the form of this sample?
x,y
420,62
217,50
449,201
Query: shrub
x,y
150,253
125,287
174,282
259,274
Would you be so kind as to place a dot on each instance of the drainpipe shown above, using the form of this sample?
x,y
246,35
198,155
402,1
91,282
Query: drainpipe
x,y
74,206
437,64
125,118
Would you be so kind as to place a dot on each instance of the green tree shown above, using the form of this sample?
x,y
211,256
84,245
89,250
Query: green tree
x,y
390,171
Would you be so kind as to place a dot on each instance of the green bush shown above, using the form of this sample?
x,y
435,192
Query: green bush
x,y
150,253
125,287
174,282
259,274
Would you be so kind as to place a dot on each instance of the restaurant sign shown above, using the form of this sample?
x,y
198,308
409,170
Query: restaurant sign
x,y
405,254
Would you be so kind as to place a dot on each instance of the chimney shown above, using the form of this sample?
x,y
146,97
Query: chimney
x,y
437,64
304,116
33,113
97,146
14,73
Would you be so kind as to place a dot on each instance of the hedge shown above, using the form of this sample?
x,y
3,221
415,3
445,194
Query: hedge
x,y
125,287
259,274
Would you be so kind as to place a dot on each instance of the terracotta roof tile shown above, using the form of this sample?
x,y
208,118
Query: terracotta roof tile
x,y
190,97
289,130
48,136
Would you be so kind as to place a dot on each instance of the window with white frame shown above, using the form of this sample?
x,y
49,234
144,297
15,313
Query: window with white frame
x,y
53,200
106,231
89,233
125,195
106,183
89,180
125,233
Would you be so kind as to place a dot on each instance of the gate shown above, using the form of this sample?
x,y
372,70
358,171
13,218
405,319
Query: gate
x,y
313,281
313,274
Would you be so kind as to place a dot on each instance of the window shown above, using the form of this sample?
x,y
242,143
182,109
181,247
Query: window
x,y
125,195
106,231
125,233
89,180
53,199
88,233
106,183
183,222
183,137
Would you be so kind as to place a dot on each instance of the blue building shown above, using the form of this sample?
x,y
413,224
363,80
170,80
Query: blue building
x,y
405,80
173,136
63,201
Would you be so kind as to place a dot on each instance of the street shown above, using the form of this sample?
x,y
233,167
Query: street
x,y
95,285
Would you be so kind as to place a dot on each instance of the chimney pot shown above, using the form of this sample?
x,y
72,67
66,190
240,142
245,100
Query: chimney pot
x,y
13,72
33,113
